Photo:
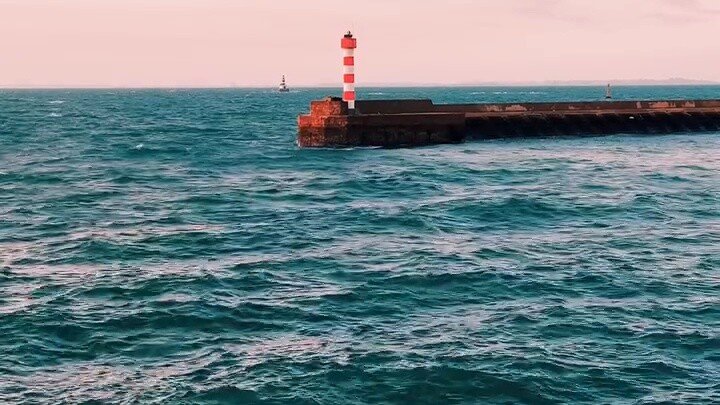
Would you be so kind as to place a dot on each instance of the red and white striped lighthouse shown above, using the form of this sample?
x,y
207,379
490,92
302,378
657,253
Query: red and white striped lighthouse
x,y
348,44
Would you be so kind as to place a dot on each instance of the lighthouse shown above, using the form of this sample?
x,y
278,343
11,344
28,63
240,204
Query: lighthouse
x,y
348,44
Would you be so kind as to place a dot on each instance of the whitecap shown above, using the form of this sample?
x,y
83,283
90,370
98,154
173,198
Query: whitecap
x,y
55,115
56,102
139,146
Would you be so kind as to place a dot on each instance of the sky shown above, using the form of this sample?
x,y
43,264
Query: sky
x,y
221,43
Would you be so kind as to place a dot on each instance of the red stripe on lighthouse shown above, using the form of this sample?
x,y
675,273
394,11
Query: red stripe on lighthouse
x,y
348,43
349,61
349,96
349,78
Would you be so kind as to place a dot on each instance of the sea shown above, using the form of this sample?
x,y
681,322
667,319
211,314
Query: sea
x,y
175,246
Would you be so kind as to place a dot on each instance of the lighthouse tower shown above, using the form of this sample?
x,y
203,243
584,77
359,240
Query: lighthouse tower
x,y
348,44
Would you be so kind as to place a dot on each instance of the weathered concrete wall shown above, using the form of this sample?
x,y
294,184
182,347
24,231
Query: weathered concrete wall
x,y
328,106
381,130
590,124
394,106
426,106
325,128
395,123
571,107
406,129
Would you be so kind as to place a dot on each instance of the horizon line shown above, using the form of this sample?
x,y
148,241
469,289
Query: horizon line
x,y
369,86
674,81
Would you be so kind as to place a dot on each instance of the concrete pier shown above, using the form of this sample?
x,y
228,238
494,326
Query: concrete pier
x,y
397,123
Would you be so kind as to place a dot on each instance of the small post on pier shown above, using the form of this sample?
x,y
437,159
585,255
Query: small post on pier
x,y
348,44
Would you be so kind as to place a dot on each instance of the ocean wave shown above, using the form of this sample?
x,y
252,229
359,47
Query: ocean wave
x,y
177,247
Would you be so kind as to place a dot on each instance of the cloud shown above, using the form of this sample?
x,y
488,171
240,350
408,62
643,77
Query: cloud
x,y
557,10
591,11
684,12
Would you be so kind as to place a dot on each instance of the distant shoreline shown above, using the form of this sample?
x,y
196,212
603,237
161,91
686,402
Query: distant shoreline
x,y
384,86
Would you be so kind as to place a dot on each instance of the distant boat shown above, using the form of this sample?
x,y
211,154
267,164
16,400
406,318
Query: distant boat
x,y
608,92
283,87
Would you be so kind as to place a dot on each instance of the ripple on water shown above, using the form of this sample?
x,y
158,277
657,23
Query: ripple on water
x,y
176,247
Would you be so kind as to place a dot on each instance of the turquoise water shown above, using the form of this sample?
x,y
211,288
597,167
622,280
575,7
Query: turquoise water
x,y
175,247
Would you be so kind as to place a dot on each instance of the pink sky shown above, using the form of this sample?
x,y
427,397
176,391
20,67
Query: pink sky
x,y
136,43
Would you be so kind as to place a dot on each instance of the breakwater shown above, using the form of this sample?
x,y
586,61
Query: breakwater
x,y
418,122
